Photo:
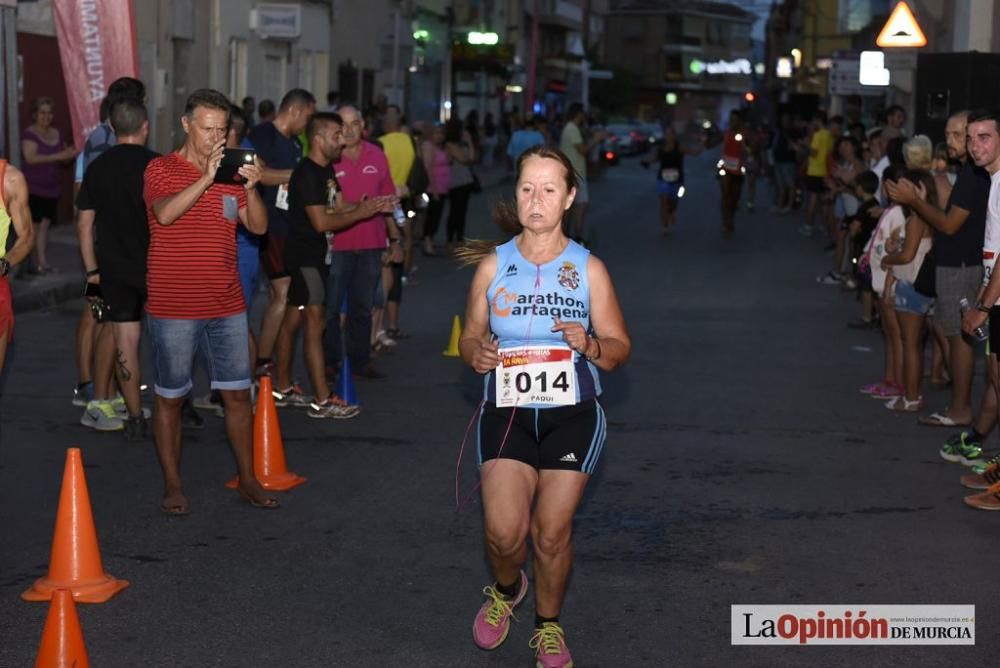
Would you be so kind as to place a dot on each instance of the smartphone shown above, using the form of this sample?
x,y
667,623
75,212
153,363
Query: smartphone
x,y
232,160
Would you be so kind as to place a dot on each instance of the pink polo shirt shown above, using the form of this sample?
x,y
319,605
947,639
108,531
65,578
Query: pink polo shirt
x,y
368,175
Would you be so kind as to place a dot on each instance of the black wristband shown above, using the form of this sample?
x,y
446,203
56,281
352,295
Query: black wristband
x,y
93,272
980,306
4,267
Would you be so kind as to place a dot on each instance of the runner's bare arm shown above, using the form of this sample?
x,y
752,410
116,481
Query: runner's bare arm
x,y
167,210
85,232
15,194
346,213
275,177
613,344
477,350
908,194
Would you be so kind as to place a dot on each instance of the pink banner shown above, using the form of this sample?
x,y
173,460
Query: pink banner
x,y
96,46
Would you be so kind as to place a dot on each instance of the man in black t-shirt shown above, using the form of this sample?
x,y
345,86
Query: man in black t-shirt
x,y
111,203
315,212
276,142
958,251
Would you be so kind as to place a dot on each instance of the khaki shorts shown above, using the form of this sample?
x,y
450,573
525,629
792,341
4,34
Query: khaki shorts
x,y
951,284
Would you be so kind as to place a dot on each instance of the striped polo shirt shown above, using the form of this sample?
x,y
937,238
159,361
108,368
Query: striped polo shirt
x,y
192,272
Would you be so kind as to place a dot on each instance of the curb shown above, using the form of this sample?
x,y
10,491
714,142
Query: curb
x,y
49,296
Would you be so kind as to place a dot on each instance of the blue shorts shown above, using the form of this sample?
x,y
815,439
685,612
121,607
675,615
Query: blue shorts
x,y
248,263
223,341
671,190
908,300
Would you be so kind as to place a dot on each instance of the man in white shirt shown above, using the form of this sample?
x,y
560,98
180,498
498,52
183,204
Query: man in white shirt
x,y
576,149
984,147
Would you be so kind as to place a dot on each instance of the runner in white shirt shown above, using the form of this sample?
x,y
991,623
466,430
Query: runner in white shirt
x,y
984,147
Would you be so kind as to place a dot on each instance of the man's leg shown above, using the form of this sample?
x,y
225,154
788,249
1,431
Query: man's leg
x,y
271,321
286,347
174,345
361,283
226,346
336,289
127,364
104,364
312,345
85,334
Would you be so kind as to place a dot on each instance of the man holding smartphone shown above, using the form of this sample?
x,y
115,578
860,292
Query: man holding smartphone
x,y
194,289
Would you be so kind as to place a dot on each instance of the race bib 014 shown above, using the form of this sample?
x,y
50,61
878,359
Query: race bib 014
x,y
535,375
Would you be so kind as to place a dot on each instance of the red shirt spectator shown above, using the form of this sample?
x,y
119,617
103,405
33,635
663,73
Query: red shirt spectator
x,y
192,262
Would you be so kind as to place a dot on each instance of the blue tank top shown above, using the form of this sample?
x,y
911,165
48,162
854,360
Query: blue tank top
x,y
525,297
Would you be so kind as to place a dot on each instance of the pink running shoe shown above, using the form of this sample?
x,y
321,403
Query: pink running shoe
x,y
887,391
549,643
872,388
492,622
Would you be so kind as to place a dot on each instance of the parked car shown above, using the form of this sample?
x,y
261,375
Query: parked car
x,y
653,132
623,138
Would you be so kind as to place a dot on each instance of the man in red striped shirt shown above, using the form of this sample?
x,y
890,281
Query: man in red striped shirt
x,y
195,299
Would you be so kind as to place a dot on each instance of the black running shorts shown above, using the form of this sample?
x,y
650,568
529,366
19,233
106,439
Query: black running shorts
x,y
272,255
565,438
126,300
308,286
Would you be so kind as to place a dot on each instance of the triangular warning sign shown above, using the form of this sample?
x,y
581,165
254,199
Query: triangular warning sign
x,y
901,29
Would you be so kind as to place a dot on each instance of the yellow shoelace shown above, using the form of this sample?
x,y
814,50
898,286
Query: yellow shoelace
x,y
549,638
499,606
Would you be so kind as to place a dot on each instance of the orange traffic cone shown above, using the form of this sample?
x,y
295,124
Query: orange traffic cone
x,y
268,449
62,639
75,563
456,334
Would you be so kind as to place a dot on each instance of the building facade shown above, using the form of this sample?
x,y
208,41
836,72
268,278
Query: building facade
x,y
694,61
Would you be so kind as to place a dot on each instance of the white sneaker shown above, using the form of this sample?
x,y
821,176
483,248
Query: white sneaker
x,y
101,415
121,410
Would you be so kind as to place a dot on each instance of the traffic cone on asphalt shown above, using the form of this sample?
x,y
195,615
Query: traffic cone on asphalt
x,y
456,334
62,640
75,563
268,449
345,386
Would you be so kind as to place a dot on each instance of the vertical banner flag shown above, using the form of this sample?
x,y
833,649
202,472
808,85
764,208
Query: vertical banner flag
x,y
96,46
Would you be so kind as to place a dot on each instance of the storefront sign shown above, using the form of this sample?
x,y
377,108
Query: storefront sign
x,y
738,66
273,21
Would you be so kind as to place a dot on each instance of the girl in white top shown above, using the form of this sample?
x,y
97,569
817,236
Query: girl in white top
x,y
887,238
912,306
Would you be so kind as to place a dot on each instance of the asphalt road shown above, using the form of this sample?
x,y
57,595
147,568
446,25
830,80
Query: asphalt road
x,y
742,467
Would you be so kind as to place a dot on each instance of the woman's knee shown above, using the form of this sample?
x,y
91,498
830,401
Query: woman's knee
x,y
551,539
505,540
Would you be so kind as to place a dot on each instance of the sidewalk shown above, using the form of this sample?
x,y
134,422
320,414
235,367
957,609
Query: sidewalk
x,y
47,290
32,293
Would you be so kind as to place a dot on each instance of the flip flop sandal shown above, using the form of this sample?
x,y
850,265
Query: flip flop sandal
x,y
940,420
904,405
267,504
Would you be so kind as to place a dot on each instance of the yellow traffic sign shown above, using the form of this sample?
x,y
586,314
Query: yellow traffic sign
x,y
901,30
